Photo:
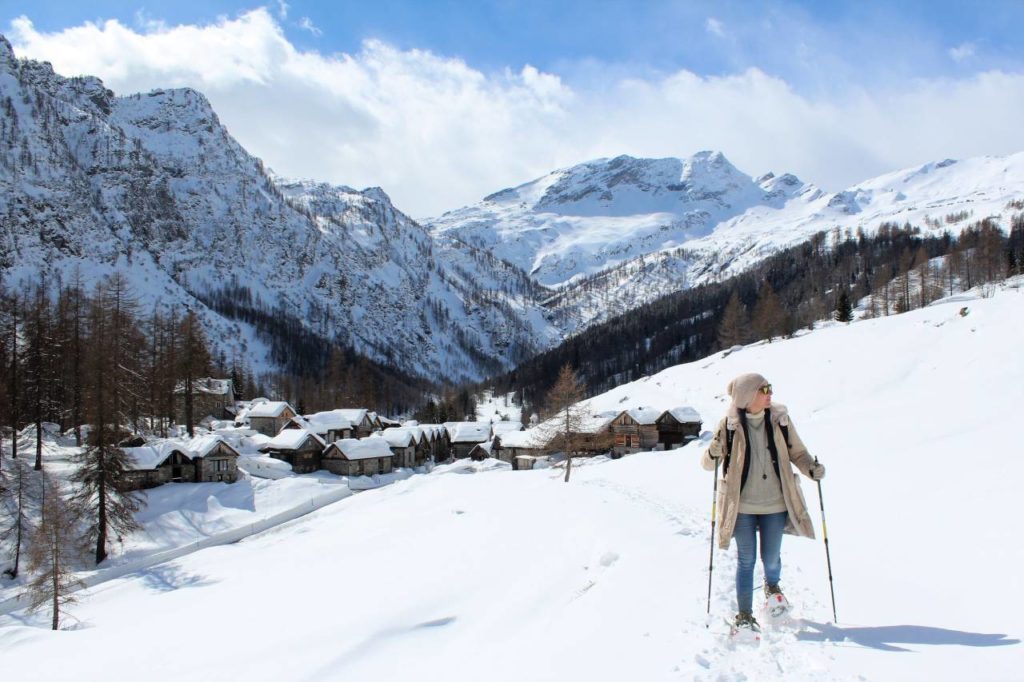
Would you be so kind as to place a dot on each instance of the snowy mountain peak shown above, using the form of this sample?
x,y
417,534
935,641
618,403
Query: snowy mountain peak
x,y
606,211
626,185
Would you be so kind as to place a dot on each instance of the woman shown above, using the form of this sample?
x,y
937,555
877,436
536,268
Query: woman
x,y
756,445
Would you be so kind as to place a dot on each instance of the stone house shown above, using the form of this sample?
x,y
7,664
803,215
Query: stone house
x,y
464,436
300,448
270,417
330,425
157,463
678,426
482,451
511,444
210,398
358,457
402,442
363,421
437,437
214,459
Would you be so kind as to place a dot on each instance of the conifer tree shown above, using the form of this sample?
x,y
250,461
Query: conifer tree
x,y
102,492
566,415
195,362
769,315
844,309
734,329
51,556
11,319
16,497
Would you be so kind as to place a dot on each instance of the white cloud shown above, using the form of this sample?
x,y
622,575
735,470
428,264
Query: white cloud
x,y
436,133
715,27
962,52
306,24
282,9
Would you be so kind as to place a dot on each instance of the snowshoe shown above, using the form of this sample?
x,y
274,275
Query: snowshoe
x,y
745,629
776,606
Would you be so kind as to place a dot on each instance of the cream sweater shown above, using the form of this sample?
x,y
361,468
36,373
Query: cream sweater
x,y
763,492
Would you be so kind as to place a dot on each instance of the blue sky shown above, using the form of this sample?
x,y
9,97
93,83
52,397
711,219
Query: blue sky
x,y
912,38
441,103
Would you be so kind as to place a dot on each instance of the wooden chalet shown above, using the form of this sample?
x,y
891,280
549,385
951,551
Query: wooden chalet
x,y
270,417
358,457
635,430
595,434
302,449
678,426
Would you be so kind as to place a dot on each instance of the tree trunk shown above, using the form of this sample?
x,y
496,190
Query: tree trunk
x,y
55,554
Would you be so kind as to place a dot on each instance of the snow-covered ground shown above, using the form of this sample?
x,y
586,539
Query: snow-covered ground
x,y
502,575
499,408
179,519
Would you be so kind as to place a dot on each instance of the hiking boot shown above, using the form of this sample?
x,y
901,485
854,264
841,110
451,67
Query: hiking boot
x,y
745,619
769,590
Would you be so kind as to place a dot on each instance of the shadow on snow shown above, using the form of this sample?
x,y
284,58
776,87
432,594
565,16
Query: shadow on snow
x,y
885,638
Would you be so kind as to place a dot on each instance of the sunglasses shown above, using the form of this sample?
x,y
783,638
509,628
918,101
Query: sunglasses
x,y
766,389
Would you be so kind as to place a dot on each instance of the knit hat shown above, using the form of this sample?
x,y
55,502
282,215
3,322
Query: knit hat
x,y
743,388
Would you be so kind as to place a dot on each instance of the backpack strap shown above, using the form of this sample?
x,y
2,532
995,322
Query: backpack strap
x,y
729,434
771,440
785,435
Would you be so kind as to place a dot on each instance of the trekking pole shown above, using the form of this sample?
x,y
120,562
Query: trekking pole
x,y
714,509
828,557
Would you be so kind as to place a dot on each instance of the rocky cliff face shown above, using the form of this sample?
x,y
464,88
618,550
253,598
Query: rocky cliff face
x,y
154,185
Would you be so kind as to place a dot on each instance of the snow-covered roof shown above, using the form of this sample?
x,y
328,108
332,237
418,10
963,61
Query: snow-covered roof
x,y
388,422
505,427
291,439
354,415
433,430
593,423
645,414
468,432
332,420
269,409
152,455
418,433
521,439
485,446
685,414
363,448
398,437
201,446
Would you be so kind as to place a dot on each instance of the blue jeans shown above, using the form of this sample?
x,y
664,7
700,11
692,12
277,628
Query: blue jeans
x,y
747,525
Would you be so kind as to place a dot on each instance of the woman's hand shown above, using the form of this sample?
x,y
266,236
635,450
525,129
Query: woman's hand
x,y
818,471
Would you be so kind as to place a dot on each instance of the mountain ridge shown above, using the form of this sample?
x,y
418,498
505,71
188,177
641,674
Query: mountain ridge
x,y
153,184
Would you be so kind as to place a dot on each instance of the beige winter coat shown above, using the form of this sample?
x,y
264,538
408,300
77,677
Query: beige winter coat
x,y
728,502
